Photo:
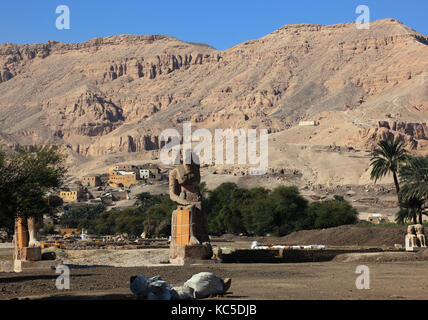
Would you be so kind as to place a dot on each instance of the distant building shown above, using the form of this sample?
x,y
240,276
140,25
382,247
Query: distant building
x,y
377,218
151,172
144,173
308,123
69,231
91,181
120,178
71,195
125,167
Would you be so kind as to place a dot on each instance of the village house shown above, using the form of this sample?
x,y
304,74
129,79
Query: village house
x,y
71,195
150,172
308,123
125,167
119,178
126,175
91,181
69,232
144,173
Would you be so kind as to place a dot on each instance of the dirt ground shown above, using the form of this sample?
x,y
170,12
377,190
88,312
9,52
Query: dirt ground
x,y
393,275
320,281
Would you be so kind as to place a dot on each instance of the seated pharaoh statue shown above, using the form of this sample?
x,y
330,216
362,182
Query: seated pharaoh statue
x,y
189,221
420,235
415,238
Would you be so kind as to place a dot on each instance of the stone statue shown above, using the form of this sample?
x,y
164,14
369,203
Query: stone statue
x,y
27,232
411,239
420,235
189,240
34,225
27,246
184,190
28,252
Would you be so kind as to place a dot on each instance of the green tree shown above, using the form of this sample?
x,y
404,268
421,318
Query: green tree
x,y
27,176
414,176
146,200
259,211
214,203
409,211
152,216
73,218
158,218
339,198
289,210
262,217
388,158
331,213
255,205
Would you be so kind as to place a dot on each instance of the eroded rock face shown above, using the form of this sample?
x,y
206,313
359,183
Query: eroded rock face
x,y
117,94
371,137
88,115
415,130
152,67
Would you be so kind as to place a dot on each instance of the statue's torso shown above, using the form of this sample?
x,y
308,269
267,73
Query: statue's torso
x,y
189,184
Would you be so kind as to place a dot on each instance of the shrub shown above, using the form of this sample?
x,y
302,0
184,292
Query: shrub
x,y
332,213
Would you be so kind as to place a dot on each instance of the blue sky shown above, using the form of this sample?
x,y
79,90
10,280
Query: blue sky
x,y
219,23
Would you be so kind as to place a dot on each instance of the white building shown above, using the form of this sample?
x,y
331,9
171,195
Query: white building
x,y
144,173
308,123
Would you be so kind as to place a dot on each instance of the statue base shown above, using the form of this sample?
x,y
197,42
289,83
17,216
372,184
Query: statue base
x,y
35,266
188,254
28,254
28,259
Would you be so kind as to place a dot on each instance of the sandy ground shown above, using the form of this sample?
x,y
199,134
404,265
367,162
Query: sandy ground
x,y
320,281
104,274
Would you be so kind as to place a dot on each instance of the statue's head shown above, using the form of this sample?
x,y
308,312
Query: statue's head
x,y
419,228
193,165
411,229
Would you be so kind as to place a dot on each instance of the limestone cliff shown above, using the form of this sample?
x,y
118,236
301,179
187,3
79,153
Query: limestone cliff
x,y
117,94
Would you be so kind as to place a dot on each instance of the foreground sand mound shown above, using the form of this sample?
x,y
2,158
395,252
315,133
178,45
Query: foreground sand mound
x,y
350,235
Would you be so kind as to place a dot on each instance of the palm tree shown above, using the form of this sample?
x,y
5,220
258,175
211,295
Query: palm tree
x,y
409,210
387,158
414,176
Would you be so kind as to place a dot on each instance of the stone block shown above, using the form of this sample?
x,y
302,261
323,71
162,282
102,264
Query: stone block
x,y
187,254
35,266
28,254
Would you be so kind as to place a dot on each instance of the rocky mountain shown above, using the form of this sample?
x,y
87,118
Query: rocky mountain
x,y
116,94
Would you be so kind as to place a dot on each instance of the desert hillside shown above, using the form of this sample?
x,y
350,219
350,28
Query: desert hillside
x,y
107,99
